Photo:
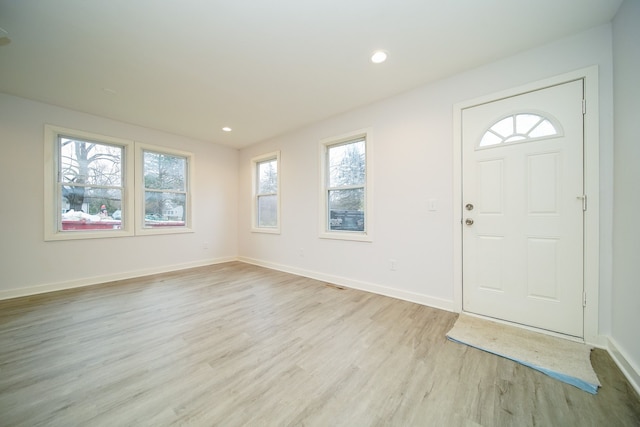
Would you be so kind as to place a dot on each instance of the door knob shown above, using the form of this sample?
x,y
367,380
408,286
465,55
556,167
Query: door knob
x,y
468,221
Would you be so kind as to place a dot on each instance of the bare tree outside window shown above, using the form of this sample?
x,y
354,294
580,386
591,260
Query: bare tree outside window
x,y
165,189
346,175
267,193
91,183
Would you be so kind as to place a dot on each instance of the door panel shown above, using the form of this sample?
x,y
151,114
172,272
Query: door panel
x,y
523,251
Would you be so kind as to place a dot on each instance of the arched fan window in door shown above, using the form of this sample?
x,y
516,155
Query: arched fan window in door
x,y
519,127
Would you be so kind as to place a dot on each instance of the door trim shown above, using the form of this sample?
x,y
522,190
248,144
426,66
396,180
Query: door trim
x,y
591,170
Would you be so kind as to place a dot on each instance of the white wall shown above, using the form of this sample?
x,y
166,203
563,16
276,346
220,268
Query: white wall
x,y
28,264
626,233
413,137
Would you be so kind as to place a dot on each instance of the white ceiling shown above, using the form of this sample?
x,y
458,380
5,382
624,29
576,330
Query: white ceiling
x,y
262,67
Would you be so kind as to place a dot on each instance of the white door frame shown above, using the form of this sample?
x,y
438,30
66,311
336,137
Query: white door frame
x,y
591,189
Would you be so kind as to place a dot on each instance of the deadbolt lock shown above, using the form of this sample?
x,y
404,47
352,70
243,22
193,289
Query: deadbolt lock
x,y
469,207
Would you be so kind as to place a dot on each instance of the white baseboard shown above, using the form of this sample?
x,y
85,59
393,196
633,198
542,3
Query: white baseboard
x,y
630,371
356,284
627,367
89,281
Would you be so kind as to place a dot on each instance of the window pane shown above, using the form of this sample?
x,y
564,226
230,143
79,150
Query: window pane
x,y
543,129
164,171
267,211
515,138
164,209
87,208
346,209
268,177
526,122
347,164
490,138
83,162
504,127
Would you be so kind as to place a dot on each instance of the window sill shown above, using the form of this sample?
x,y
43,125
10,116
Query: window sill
x,y
347,235
77,234
151,231
265,230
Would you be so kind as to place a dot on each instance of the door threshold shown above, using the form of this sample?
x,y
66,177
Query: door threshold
x,y
526,327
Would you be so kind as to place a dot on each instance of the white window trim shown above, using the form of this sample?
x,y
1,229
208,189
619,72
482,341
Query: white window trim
x,y
140,228
275,155
323,231
51,203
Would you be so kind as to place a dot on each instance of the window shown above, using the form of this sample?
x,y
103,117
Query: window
x,y
519,128
266,193
85,185
90,188
346,190
164,197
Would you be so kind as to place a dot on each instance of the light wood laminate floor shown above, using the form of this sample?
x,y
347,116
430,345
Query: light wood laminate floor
x,y
235,344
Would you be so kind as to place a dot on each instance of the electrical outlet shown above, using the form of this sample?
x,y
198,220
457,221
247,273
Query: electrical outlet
x,y
393,265
301,253
205,245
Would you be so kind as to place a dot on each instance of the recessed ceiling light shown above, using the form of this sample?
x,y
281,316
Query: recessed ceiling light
x,y
379,56
227,129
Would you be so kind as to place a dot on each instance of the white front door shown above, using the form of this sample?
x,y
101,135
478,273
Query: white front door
x,y
522,192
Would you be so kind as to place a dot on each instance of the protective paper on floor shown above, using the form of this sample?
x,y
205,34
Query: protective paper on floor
x,y
562,359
